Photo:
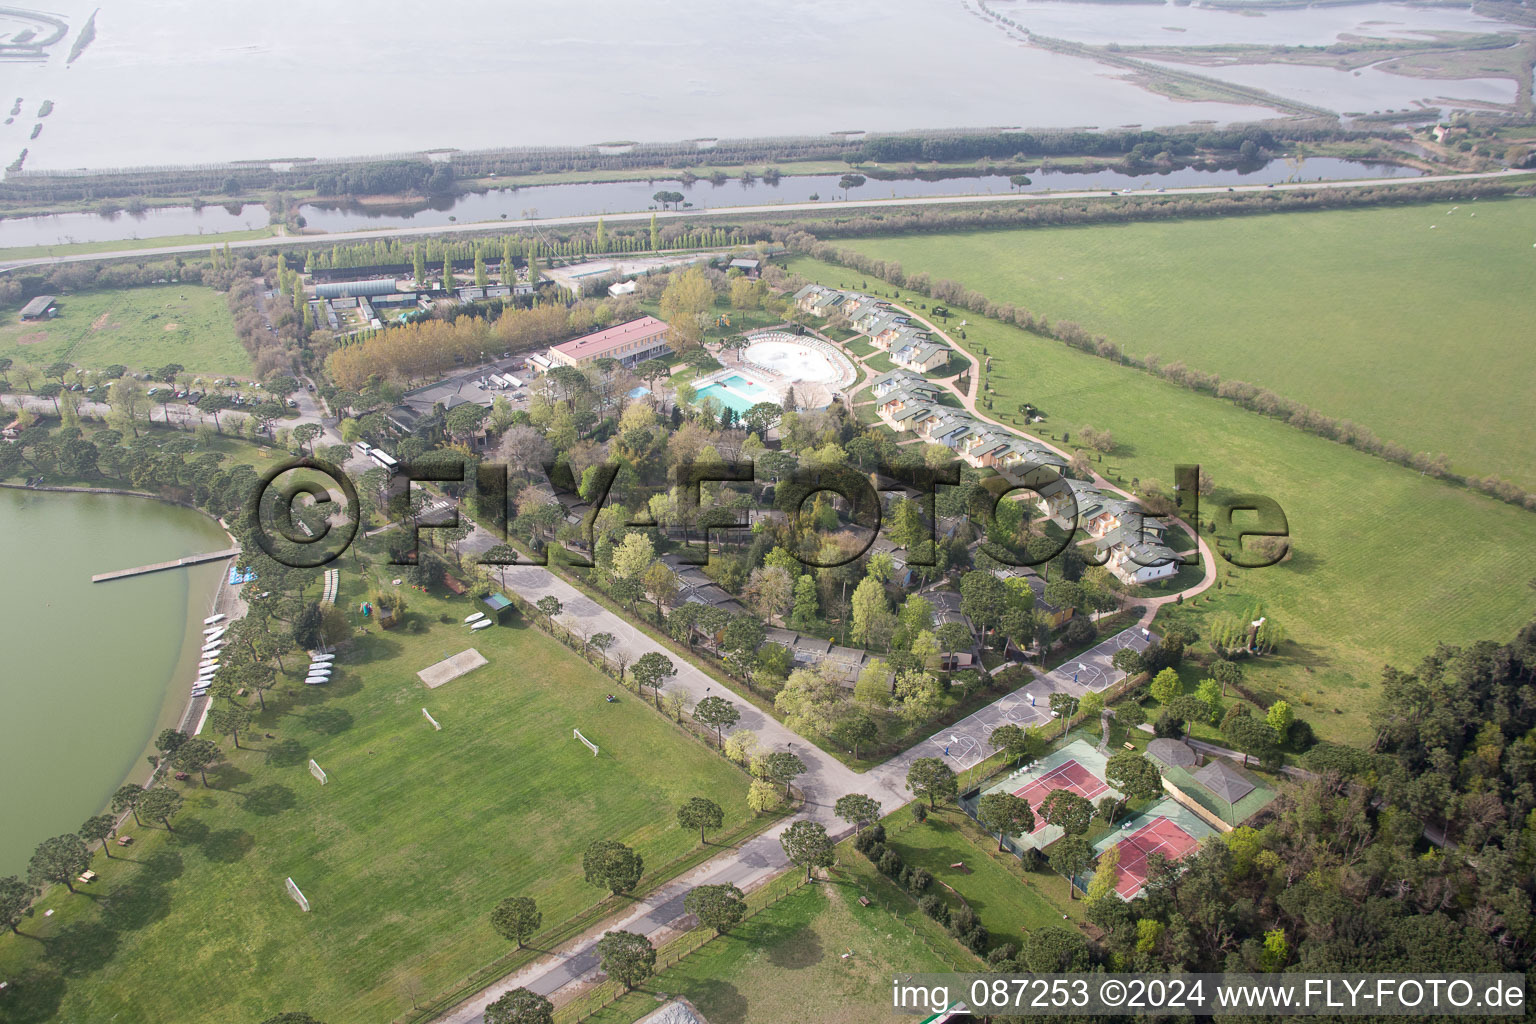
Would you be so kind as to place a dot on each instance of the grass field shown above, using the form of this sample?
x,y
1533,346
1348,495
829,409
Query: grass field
x,y
787,964
23,252
142,328
1387,563
402,855
1413,321
1010,901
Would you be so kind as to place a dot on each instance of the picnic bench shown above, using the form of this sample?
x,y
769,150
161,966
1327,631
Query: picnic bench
x,y
88,876
863,901
124,840
1130,746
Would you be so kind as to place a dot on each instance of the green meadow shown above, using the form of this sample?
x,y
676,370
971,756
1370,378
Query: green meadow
x,y
402,854
1386,563
142,328
1414,321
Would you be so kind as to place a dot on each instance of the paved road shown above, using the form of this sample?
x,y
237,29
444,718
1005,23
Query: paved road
x,y
734,211
825,780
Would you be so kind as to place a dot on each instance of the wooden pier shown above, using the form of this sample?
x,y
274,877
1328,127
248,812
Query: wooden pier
x,y
212,556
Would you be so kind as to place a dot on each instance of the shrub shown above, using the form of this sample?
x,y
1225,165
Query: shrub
x,y
1002,958
875,852
976,940
1168,727
866,839
890,863
1033,860
963,921
1300,736
919,812
919,880
934,906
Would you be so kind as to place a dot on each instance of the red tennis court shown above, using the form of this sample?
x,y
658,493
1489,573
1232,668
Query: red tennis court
x,y
1160,835
1068,775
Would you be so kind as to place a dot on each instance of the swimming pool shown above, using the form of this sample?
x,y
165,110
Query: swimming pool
x,y
737,392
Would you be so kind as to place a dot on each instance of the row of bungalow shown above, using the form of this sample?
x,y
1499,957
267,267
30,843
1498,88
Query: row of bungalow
x,y
1129,542
888,329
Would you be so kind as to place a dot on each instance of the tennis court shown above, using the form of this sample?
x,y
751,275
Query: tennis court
x,y
1076,767
1068,775
1157,836
1165,828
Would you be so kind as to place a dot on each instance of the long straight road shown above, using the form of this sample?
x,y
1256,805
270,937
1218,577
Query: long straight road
x,y
825,779
835,205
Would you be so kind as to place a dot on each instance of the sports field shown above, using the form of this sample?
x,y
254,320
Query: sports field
x,y
142,328
1386,565
1412,321
402,854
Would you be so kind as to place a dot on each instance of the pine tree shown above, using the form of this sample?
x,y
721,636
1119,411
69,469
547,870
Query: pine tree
x,y
655,234
447,270
420,267
481,279
508,275
602,236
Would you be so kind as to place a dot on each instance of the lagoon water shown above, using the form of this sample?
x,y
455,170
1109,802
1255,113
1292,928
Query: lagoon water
x,y
186,81
597,197
91,671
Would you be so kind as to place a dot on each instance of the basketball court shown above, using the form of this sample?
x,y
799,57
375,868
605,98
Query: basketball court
x,y
1166,828
967,743
1094,670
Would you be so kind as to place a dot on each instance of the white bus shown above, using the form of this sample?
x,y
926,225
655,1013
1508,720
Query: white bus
x,y
384,459
363,448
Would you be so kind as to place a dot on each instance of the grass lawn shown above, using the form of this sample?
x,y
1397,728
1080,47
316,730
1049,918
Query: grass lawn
x,y
1386,563
402,855
1413,321
786,963
129,244
1010,901
142,328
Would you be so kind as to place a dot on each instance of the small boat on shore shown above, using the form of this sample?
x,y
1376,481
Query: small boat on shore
x,y
215,617
320,658
482,625
475,617
317,680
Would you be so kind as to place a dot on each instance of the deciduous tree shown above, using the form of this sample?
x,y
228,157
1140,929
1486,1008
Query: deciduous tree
x,y
806,842
517,919
931,777
702,814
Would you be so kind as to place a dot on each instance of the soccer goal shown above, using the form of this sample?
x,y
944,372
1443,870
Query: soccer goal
x,y
432,720
298,897
317,772
590,745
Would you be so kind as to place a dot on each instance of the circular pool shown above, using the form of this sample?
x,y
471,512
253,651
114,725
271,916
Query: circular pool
x,y
799,359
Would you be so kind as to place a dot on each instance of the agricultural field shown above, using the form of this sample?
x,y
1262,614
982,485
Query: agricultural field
x,y
142,328
402,854
786,963
1386,563
1413,321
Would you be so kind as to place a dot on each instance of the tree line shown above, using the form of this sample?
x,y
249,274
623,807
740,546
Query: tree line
x,y
1241,393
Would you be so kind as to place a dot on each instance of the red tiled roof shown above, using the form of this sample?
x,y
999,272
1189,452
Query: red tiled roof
x,y
593,346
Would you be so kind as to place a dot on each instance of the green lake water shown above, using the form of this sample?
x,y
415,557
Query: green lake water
x,y
89,672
